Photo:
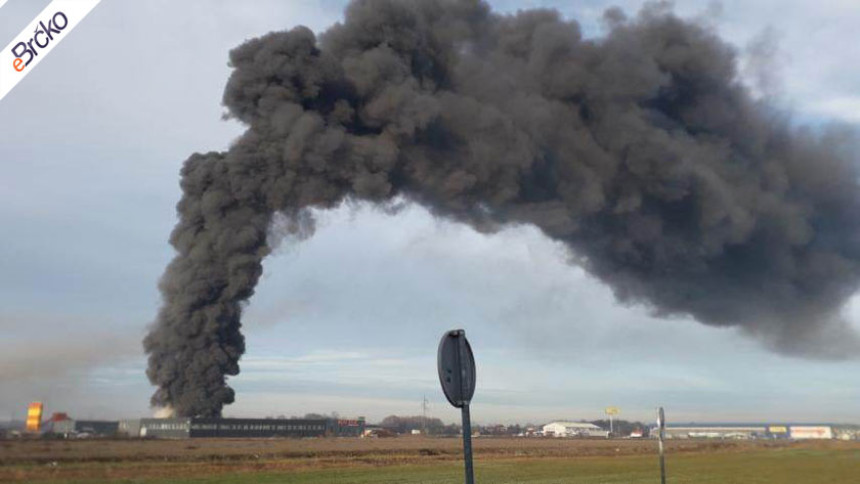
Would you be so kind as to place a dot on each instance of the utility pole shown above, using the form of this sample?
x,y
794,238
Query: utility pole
x,y
424,415
661,428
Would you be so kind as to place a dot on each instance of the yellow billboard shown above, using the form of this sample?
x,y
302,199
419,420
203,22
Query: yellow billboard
x,y
34,417
777,429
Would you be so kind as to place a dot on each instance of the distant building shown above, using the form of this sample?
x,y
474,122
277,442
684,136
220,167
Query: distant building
x,y
183,428
574,429
745,431
846,432
100,428
713,431
777,431
129,428
348,427
34,416
806,432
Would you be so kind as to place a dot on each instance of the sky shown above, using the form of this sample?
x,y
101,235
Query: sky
x,y
91,144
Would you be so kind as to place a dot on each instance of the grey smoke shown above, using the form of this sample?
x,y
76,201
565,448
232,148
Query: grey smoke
x,y
42,361
640,150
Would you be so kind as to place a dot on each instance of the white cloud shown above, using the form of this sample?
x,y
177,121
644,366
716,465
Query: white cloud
x,y
841,108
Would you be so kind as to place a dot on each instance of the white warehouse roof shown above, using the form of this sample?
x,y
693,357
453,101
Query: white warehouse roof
x,y
574,425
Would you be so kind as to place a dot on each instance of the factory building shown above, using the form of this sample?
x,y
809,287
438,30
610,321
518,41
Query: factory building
x,y
101,428
714,431
349,427
34,416
129,428
184,428
807,432
574,429
746,431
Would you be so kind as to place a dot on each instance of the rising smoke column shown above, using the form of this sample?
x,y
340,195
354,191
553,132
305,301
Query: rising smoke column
x,y
641,151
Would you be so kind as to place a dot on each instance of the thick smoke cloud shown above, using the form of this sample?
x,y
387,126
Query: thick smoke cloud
x,y
640,150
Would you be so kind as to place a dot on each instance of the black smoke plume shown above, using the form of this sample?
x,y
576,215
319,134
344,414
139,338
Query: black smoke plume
x,y
641,151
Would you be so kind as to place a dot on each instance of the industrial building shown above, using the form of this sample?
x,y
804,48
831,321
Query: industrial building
x,y
745,431
574,429
184,428
806,432
181,428
68,427
129,427
714,431
34,416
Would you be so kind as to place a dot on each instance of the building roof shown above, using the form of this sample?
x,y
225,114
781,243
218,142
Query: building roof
x,y
738,425
575,425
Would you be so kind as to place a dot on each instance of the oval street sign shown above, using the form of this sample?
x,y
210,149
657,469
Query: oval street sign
x,y
456,368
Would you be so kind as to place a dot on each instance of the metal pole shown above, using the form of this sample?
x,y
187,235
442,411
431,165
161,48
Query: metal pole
x,y
467,444
662,458
424,416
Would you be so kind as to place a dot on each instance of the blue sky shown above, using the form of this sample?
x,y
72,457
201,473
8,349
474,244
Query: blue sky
x,y
91,144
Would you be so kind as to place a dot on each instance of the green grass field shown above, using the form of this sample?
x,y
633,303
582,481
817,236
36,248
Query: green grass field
x,y
773,466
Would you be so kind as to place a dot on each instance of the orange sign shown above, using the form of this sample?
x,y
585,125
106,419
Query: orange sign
x,y
34,417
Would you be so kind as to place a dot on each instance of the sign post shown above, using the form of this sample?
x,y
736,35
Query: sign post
x,y
661,428
456,365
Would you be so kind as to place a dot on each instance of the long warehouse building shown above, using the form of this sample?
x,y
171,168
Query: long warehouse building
x,y
184,428
746,431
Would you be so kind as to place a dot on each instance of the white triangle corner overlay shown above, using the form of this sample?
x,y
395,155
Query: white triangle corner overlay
x,y
38,38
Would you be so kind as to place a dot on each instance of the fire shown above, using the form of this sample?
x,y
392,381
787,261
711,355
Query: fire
x,y
164,412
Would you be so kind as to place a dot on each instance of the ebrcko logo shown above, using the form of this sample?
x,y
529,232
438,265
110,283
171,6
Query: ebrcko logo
x,y
36,40
56,25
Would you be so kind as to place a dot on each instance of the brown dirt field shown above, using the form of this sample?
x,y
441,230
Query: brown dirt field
x,y
119,459
43,451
